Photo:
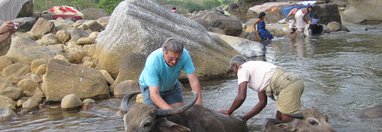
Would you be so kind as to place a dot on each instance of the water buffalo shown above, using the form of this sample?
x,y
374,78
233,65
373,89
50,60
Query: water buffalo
x,y
311,121
144,118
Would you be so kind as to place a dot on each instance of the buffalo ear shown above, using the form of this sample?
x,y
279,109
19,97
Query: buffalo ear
x,y
168,126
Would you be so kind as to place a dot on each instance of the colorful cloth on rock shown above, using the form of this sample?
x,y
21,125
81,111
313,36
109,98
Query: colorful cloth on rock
x,y
65,12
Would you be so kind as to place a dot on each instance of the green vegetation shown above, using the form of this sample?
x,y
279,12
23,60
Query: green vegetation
x,y
42,5
109,5
197,5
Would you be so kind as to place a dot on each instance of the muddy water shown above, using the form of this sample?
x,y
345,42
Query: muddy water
x,y
342,74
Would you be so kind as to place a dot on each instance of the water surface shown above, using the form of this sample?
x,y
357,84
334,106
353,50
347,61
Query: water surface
x,y
342,74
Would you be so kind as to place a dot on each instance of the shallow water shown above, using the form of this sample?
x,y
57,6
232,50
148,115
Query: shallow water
x,y
342,74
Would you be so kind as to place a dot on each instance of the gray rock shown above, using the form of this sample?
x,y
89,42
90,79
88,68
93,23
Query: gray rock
x,y
71,101
141,26
15,72
246,47
26,50
14,93
7,102
125,87
41,27
6,113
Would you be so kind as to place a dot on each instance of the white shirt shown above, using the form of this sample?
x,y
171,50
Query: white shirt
x,y
256,73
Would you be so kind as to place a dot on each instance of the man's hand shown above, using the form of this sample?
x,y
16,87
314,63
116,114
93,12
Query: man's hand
x,y
241,118
224,112
7,27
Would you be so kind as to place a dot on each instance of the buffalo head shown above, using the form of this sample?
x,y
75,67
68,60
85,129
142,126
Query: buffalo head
x,y
312,121
145,118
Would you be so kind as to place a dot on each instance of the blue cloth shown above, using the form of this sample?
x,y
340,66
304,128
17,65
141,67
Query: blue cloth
x,y
157,73
285,10
315,21
171,96
263,33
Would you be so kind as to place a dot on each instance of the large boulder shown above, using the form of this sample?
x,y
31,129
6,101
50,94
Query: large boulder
x,y
327,13
230,25
141,26
364,12
272,9
246,47
62,78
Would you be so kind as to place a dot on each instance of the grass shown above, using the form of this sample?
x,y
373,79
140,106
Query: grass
x,y
42,5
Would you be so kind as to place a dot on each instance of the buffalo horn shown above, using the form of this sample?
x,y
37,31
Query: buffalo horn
x,y
125,101
164,113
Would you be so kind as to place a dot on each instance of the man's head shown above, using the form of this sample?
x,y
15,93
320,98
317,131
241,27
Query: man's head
x,y
310,8
172,50
236,62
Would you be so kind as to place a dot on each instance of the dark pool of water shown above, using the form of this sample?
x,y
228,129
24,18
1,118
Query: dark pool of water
x,y
342,74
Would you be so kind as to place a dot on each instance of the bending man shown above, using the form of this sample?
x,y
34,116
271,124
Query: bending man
x,y
268,80
159,79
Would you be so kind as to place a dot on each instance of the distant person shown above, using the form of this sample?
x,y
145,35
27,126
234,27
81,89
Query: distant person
x,y
268,80
315,28
259,27
300,17
262,33
173,9
159,82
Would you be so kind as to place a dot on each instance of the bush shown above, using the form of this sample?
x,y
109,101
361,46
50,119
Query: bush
x,y
108,5
192,7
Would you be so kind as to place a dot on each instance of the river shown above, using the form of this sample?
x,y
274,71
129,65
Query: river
x,y
342,74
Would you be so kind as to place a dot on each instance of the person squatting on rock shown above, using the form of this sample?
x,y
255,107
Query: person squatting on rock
x,y
299,21
268,80
159,82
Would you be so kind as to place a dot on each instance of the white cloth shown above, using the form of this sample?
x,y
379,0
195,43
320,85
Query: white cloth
x,y
256,73
10,9
292,24
299,16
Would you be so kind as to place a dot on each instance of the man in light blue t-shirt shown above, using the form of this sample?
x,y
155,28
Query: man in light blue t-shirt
x,y
159,79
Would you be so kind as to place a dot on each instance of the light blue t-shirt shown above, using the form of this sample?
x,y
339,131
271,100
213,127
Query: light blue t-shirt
x,y
157,73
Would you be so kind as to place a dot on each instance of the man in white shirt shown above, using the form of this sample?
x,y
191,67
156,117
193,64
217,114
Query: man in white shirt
x,y
268,80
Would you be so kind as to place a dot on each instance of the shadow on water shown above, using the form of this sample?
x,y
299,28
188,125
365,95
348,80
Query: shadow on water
x,y
342,74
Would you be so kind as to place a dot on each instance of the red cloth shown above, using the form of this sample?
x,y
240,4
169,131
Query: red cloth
x,y
65,12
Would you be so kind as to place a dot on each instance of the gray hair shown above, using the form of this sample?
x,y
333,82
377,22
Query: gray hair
x,y
237,60
172,44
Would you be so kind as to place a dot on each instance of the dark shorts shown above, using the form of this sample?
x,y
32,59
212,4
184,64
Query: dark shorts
x,y
172,96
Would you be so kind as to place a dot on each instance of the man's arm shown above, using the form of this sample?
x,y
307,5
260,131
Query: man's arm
x,y
258,107
240,97
157,99
195,86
